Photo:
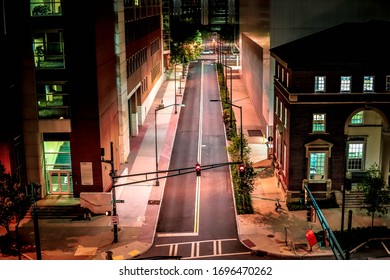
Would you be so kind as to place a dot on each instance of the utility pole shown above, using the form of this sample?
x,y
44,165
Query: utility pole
x,y
34,190
112,175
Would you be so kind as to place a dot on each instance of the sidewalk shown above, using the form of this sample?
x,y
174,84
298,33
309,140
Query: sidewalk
x,y
277,234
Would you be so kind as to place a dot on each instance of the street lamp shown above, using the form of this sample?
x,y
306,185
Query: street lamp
x,y
241,137
112,175
175,87
231,90
159,107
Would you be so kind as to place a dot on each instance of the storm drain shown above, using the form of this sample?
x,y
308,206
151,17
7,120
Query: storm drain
x,y
153,202
255,133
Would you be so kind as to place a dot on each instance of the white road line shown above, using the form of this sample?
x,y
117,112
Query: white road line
x,y
221,255
199,156
201,241
387,250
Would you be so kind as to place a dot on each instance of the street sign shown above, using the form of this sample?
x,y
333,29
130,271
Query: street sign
x,y
119,201
115,220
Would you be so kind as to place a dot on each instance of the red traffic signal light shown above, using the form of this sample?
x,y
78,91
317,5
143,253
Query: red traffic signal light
x,y
241,168
197,168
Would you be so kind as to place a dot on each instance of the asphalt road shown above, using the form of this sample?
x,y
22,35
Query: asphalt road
x,y
197,216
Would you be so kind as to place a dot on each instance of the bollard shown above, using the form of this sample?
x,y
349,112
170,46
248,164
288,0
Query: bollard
x,y
108,255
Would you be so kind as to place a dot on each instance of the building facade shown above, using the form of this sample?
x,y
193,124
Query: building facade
x,y
88,76
332,109
11,134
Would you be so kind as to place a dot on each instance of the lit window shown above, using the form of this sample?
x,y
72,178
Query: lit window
x,y
285,117
53,100
319,84
388,83
280,110
355,157
276,105
45,8
287,80
357,118
48,49
317,165
345,85
368,84
318,122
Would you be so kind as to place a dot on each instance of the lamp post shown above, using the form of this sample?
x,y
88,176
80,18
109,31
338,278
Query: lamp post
x,y
219,51
112,175
34,191
231,91
159,107
241,136
175,87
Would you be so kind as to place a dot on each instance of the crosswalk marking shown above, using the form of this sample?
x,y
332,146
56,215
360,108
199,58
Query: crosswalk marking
x,y
217,248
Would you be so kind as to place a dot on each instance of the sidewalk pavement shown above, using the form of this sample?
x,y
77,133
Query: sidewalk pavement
x,y
279,234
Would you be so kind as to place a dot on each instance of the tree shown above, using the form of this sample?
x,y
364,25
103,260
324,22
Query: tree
x,y
14,202
243,183
186,42
376,194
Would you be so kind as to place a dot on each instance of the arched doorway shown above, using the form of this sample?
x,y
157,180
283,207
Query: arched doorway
x,y
367,142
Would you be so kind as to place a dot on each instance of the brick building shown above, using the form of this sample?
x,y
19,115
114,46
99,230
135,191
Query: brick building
x,y
85,75
332,107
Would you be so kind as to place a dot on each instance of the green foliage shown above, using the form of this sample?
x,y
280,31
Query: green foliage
x,y
14,202
377,196
41,10
243,185
187,46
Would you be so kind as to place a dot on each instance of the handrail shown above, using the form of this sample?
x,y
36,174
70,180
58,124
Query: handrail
x,y
334,244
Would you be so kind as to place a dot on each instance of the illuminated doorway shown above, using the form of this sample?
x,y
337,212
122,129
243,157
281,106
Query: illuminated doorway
x,y
59,182
58,167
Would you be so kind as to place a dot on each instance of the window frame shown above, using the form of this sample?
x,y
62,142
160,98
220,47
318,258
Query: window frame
x,y
358,118
345,83
313,177
387,83
368,83
321,147
357,141
45,8
319,83
48,109
318,122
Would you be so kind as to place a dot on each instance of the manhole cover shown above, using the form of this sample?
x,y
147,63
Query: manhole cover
x,y
270,236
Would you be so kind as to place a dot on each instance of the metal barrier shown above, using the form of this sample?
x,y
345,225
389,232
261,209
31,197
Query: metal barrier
x,y
333,243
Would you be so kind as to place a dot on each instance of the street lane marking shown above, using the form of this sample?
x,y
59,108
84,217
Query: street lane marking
x,y
175,234
387,250
195,248
199,157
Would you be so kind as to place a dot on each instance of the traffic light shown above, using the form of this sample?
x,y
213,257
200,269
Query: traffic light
x,y
310,213
197,168
241,168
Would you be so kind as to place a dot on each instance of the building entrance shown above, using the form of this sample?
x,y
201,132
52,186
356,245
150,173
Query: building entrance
x,y
58,166
59,182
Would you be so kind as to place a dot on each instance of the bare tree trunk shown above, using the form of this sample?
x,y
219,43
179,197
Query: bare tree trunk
x,y
372,219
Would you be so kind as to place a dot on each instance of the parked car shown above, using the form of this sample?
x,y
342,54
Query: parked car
x,y
207,52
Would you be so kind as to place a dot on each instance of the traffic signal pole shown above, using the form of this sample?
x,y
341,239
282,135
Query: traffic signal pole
x,y
113,176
